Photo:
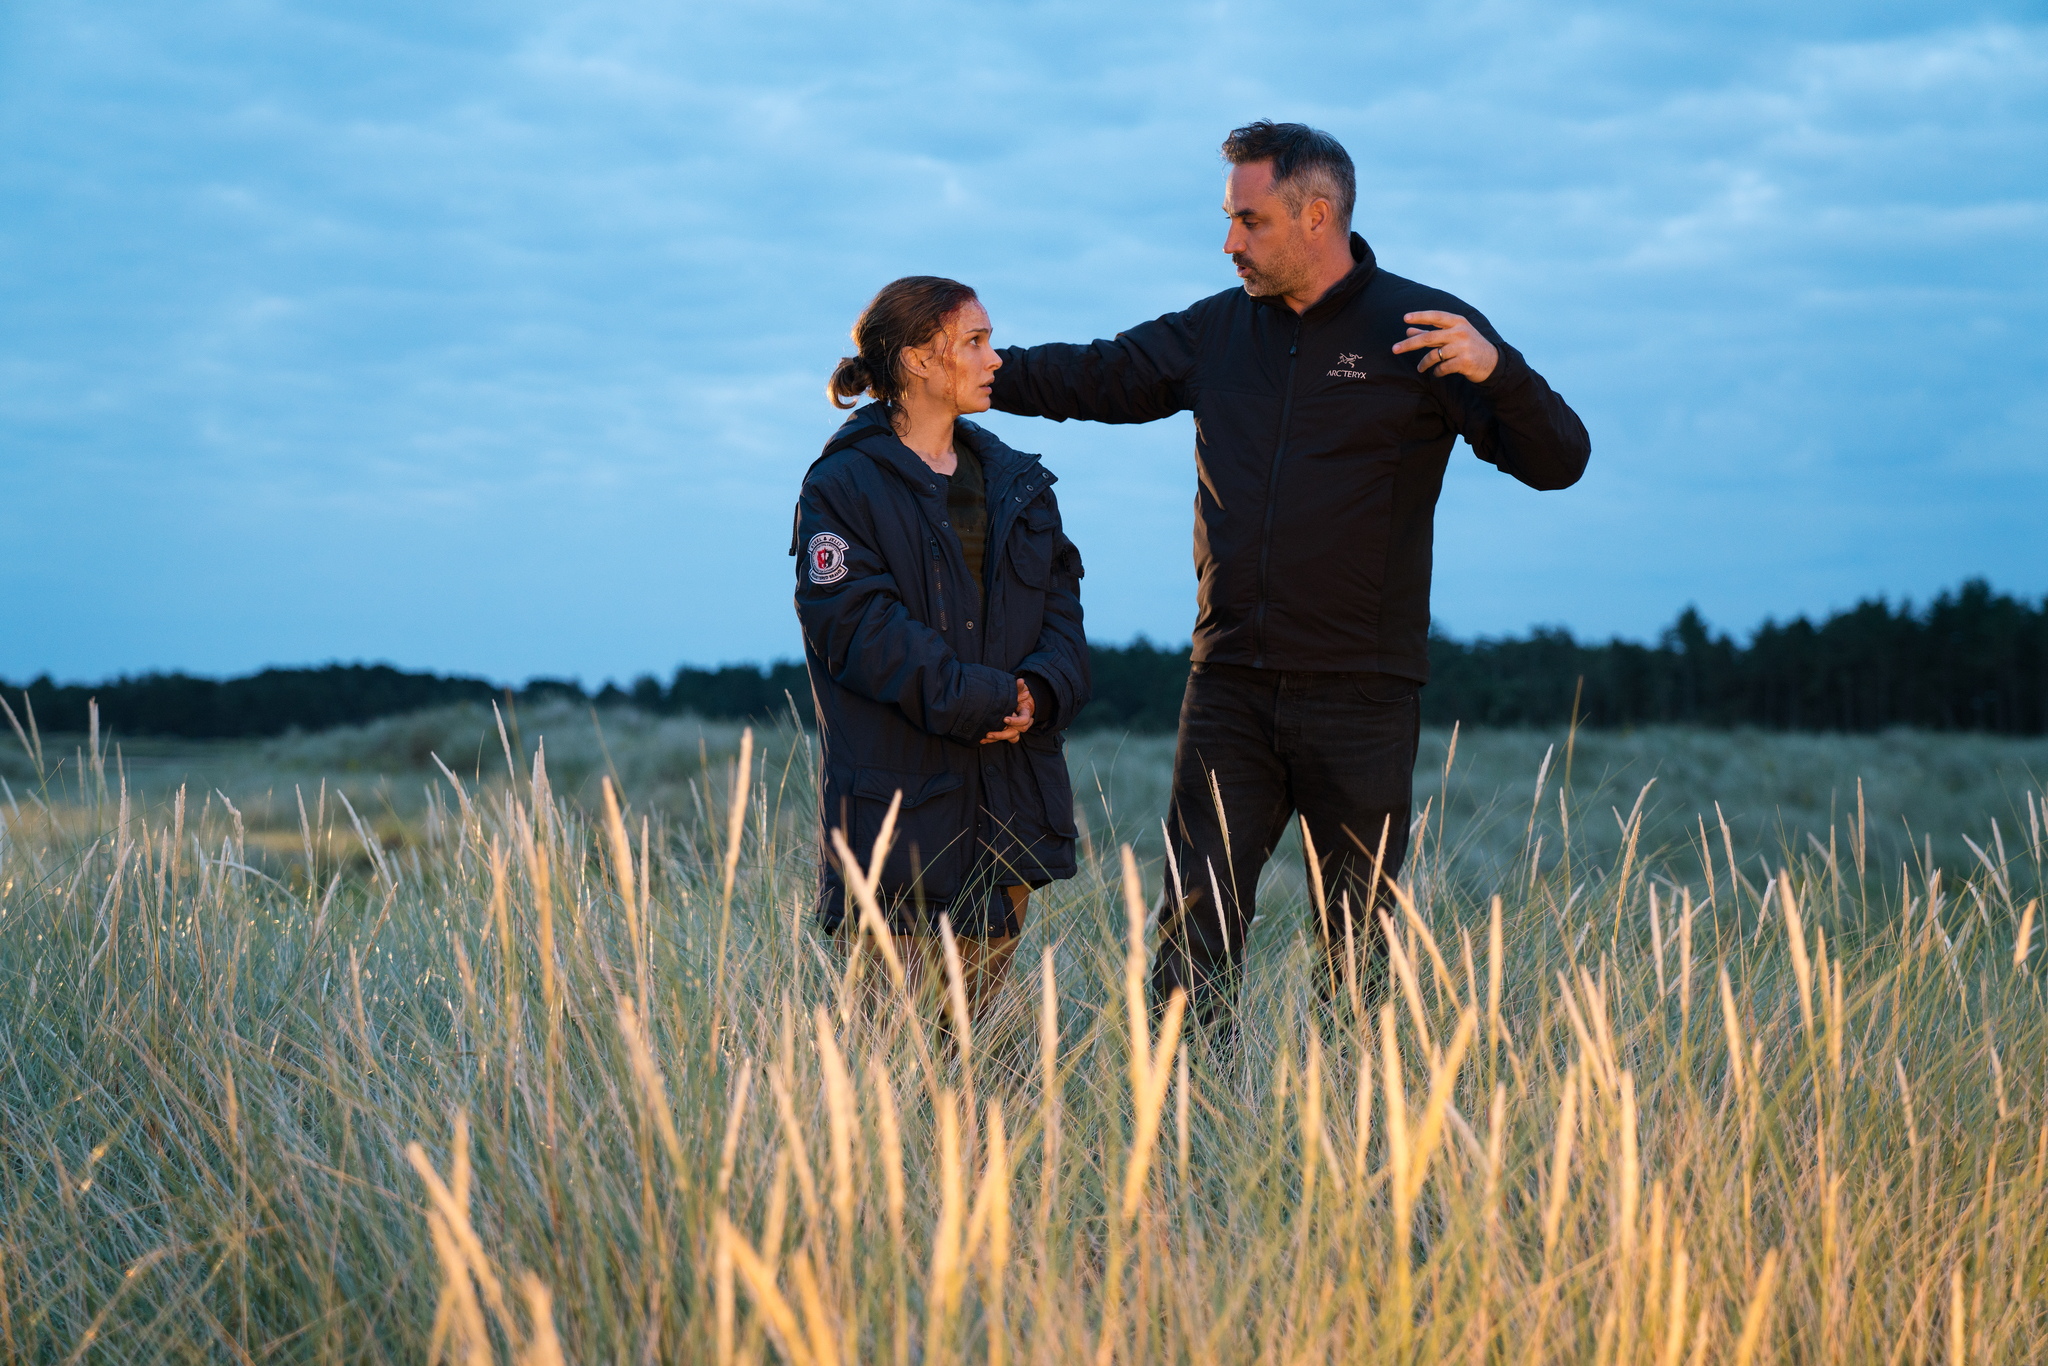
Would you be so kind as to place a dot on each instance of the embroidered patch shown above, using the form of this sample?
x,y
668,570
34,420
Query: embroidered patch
x,y
828,558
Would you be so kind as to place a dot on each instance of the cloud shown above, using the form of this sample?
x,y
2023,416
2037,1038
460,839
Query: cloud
x,y
494,337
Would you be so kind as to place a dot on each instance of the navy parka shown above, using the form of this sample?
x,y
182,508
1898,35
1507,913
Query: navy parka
x,y
910,667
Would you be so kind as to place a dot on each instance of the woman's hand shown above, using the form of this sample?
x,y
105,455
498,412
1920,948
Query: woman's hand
x,y
1014,726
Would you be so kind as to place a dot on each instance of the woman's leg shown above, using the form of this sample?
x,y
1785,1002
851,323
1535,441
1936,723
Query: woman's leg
x,y
924,968
985,962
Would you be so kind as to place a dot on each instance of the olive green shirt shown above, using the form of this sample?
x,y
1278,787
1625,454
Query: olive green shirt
x,y
967,510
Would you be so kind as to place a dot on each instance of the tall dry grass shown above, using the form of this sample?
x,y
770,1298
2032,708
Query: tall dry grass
x,y
571,1081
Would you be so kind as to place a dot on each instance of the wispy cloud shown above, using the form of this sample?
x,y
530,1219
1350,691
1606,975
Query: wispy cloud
x,y
494,337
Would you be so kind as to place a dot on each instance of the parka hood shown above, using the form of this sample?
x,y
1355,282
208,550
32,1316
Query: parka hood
x,y
866,420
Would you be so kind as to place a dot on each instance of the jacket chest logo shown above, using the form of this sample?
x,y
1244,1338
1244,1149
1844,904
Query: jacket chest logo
x,y
1347,366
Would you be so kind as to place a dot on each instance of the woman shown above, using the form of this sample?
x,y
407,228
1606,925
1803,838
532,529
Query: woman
x,y
941,614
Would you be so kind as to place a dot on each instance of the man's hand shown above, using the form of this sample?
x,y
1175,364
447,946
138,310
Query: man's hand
x,y
1454,346
1014,726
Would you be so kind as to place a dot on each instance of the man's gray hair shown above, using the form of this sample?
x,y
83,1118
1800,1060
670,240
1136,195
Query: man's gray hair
x,y
1308,164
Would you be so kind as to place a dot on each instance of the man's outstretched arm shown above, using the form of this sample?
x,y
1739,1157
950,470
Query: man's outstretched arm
x,y
1137,376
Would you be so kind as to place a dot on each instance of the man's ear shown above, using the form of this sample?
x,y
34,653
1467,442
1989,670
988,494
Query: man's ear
x,y
1317,216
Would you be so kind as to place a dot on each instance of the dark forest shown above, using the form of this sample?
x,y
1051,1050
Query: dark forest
x,y
1970,660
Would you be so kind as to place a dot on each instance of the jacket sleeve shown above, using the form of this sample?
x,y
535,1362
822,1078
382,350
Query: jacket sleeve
x,y
854,617
1514,420
1061,655
1138,376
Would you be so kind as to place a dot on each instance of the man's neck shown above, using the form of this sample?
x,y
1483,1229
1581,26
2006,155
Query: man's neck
x,y
1331,267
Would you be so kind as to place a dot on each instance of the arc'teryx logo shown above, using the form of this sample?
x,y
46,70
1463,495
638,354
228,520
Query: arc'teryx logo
x,y
1347,366
1348,359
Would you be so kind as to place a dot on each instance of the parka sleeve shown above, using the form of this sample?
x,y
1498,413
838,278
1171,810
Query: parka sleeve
x,y
1061,655
1138,376
1516,422
853,616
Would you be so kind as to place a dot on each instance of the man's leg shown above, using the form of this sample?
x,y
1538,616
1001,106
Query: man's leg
x,y
1349,741
1225,748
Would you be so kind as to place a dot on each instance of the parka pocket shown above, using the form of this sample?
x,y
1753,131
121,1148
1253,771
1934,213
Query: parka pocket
x,y
1029,805
1055,788
1033,543
933,835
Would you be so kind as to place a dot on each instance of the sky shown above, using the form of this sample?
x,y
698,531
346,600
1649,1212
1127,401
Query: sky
x,y
491,338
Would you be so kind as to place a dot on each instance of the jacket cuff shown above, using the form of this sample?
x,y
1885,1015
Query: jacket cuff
x,y
1510,371
1044,700
994,693
1045,667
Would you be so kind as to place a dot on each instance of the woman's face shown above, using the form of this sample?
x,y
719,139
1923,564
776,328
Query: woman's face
x,y
958,369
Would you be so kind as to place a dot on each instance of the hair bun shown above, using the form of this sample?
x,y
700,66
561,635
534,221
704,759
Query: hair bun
x,y
850,379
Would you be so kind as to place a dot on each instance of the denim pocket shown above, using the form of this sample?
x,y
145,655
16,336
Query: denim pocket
x,y
1387,690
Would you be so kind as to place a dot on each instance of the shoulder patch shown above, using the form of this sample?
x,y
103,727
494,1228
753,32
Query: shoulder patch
x,y
828,558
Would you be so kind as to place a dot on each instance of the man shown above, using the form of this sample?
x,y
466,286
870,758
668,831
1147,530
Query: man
x,y
1327,395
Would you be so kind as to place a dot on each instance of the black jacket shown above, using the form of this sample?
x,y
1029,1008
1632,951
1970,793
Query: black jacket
x,y
1319,453
909,671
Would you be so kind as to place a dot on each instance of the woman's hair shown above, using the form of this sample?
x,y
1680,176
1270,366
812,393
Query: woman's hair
x,y
907,312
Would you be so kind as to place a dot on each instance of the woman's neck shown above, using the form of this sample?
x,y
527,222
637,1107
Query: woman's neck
x,y
927,428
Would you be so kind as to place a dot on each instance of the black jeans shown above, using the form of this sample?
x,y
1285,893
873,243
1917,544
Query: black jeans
x,y
1339,748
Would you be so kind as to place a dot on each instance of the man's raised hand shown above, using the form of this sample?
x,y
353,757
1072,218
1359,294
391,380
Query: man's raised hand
x,y
1014,726
1453,345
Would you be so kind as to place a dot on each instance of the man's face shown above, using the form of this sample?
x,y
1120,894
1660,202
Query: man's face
x,y
1269,245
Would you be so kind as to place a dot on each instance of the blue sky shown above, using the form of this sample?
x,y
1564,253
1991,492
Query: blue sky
x,y
492,337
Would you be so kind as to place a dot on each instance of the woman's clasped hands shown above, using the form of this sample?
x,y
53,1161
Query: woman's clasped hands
x,y
1014,726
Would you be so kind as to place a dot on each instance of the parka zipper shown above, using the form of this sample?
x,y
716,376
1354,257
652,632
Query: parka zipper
x,y
939,581
1011,508
1272,502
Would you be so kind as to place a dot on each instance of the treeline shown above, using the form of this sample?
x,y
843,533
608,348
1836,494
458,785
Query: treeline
x,y
1970,660
279,700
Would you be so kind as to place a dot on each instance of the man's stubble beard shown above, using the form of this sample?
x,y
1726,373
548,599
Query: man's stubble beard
x,y
1278,276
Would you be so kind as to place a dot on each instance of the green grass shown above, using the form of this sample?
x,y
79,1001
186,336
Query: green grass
x,y
1789,1110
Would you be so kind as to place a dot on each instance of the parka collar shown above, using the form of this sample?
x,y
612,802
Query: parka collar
x,y
868,430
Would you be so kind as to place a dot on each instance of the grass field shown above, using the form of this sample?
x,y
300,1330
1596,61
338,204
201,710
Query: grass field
x,y
462,1065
